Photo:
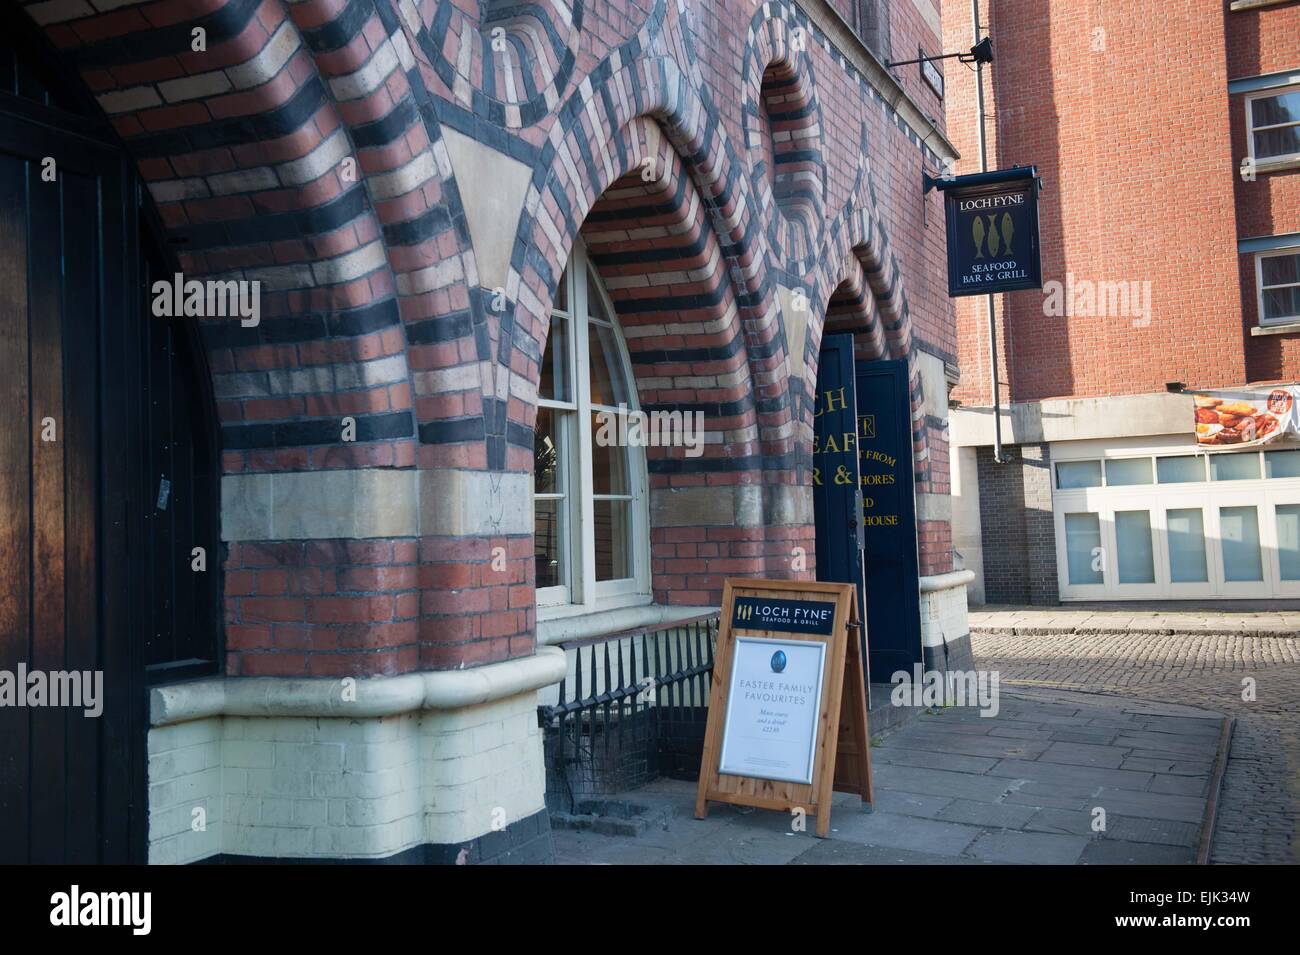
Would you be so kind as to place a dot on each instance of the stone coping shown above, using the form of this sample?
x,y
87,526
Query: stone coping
x,y
369,698
581,626
1049,621
949,581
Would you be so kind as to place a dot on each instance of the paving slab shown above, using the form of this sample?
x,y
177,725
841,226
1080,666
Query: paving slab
x,y
1083,754
997,815
1113,852
847,853
955,787
1037,848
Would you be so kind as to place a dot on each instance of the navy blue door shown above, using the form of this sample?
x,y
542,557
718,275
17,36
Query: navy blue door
x,y
836,498
888,518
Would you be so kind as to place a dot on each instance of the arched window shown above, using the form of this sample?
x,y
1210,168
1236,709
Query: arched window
x,y
589,486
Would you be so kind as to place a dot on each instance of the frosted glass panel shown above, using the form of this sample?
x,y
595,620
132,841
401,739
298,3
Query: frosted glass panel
x,y
1239,537
1183,469
1282,464
1235,467
1186,546
1082,538
1078,474
1130,471
1288,540
1136,560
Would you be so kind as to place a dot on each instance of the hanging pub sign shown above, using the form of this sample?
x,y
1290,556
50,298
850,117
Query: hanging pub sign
x,y
1245,417
788,706
992,220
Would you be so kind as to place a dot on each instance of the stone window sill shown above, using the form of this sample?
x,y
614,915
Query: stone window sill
x,y
1239,5
1290,328
1265,166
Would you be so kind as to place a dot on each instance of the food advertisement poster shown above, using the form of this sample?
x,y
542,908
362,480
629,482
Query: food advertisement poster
x,y
1242,418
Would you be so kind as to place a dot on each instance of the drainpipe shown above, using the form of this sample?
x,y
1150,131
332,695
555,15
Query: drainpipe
x,y
984,167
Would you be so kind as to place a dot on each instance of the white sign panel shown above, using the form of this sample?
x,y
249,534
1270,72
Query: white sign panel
x,y
772,709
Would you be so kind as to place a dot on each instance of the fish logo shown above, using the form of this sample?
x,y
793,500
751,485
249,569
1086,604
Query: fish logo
x,y
744,612
993,236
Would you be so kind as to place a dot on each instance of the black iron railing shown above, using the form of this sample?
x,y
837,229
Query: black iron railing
x,y
632,707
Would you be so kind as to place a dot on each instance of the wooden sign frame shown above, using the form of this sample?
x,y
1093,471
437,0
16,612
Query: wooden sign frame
x,y
842,753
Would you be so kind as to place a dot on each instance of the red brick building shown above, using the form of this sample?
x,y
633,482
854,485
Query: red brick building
x,y
1166,137
353,524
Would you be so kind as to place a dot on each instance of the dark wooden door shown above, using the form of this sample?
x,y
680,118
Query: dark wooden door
x,y
68,781
890,558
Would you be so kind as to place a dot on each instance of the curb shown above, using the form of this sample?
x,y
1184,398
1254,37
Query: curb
x,y
1128,631
1212,797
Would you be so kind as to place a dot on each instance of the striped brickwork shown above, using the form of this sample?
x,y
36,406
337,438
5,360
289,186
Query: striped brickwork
x,y
720,160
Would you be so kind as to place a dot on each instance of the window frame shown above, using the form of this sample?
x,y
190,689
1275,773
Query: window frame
x,y
1266,494
1264,321
583,593
1269,162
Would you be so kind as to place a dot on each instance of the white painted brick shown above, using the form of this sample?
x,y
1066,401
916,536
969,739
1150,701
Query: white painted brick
x,y
351,265
248,754
268,62
324,757
322,159
241,810
58,11
368,374
281,788
370,812
129,100
310,812
404,179
277,812
243,180
367,79
175,190
193,87
283,277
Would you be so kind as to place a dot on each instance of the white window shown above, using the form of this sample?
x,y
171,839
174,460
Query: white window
x,y
1273,126
1138,521
1277,279
591,527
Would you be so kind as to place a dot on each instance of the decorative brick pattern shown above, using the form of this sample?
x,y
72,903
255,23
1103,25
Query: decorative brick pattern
x,y
307,148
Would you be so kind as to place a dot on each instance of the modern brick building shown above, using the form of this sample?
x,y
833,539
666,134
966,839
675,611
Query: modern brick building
x,y
325,550
1166,135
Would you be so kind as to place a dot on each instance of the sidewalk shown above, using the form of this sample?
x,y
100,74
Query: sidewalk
x,y
953,787
1113,618
1243,663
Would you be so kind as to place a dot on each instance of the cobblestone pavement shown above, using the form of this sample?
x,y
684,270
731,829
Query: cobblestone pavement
x,y
1196,659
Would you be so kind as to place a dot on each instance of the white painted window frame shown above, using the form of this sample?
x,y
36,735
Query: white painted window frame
x,y
1259,287
1265,494
1270,162
585,594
